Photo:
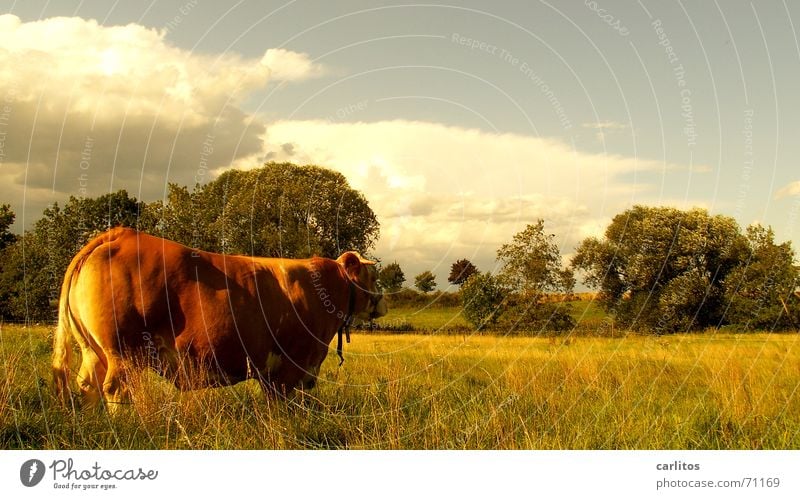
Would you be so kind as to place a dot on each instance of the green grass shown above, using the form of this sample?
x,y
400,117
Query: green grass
x,y
431,319
588,314
415,391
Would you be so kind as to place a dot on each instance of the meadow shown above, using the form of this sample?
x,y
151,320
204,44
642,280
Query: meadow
x,y
445,391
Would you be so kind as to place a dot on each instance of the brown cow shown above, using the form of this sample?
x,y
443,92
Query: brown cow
x,y
129,295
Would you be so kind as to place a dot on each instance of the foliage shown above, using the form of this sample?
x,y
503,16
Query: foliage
x,y
407,297
531,264
26,292
760,290
460,271
7,217
662,269
7,238
279,210
391,278
425,282
482,296
33,267
531,268
520,316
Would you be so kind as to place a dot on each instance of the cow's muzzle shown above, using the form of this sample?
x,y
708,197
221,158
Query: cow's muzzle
x,y
378,306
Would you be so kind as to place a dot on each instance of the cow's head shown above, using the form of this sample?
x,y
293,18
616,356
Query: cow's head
x,y
370,303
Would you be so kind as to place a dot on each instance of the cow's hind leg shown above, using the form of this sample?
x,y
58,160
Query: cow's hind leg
x,y
91,377
115,389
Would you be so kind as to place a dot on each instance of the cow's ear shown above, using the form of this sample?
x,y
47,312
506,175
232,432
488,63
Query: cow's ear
x,y
351,262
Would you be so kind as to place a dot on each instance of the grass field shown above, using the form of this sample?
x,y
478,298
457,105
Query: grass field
x,y
446,392
434,319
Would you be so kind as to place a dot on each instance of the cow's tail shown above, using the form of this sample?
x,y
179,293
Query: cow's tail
x,y
67,326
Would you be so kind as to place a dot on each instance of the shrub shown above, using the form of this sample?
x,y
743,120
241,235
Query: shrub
x,y
482,297
520,315
410,298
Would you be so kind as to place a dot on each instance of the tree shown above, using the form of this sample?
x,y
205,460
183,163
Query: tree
x,y
391,277
33,267
7,238
662,269
279,210
531,268
460,271
482,297
531,264
26,288
425,282
7,217
760,290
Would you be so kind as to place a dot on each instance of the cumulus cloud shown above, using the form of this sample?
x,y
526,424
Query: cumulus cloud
x,y
285,65
91,108
790,189
443,192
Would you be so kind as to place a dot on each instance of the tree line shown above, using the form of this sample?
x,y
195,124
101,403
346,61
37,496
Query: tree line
x,y
656,269
279,210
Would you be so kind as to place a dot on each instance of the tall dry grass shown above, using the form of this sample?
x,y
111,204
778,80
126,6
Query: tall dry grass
x,y
446,392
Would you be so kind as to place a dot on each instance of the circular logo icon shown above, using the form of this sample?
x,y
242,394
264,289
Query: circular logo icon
x,y
31,472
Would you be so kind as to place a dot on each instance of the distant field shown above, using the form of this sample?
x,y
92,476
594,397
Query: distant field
x,y
447,392
432,319
587,313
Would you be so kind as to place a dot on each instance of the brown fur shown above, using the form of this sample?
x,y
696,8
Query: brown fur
x,y
129,295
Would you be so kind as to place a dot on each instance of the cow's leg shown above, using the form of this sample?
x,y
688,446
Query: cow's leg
x,y
309,380
90,377
114,385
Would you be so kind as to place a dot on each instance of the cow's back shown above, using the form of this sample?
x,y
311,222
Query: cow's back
x,y
232,316
167,301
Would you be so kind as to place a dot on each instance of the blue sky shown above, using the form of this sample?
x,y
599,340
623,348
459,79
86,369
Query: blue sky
x,y
460,123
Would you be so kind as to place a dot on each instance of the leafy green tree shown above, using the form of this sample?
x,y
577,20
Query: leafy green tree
x,y
531,264
7,238
280,210
425,282
760,290
531,269
460,271
7,218
25,287
661,269
482,297
33,267
391,277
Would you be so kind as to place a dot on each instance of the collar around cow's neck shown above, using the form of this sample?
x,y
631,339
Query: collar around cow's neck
x,y
348,319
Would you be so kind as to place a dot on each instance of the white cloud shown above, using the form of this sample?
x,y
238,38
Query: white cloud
x,y
93,108
443,193
286,65
790,189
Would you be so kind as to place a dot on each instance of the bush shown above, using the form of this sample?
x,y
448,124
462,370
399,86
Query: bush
x,y
409,298
520,316
388,327
482,298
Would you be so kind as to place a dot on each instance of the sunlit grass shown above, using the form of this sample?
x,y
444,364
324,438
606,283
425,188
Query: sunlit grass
x,y
710,391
